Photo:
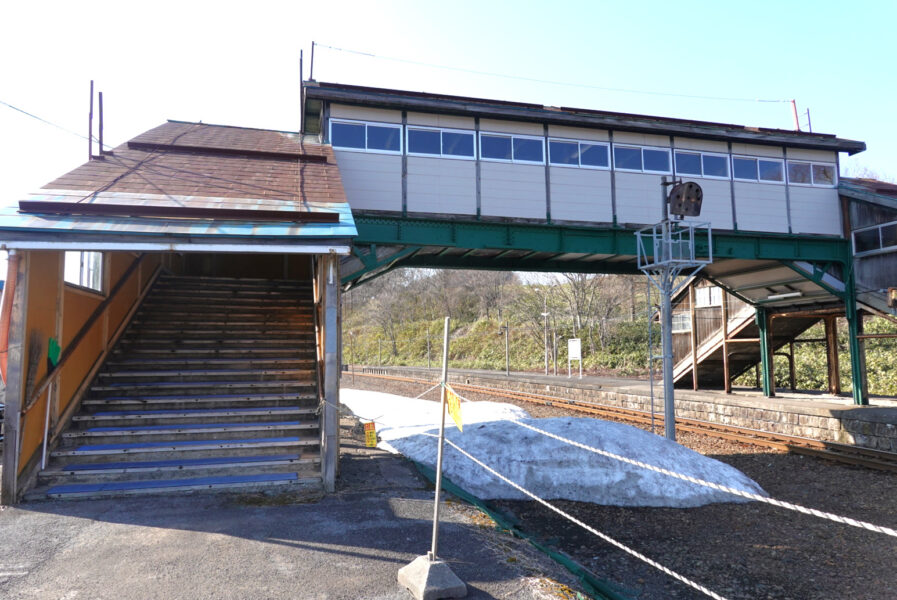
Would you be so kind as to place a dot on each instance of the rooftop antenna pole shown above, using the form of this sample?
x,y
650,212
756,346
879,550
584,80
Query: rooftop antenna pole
x,y
311,68
101,123
796,119
301,94
809,122
90,125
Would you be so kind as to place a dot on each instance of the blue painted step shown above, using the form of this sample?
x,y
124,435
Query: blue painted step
x,y
192,411
193,426
187,444
83,488
150,464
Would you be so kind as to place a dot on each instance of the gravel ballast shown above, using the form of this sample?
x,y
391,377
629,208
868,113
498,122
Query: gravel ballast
x,y
739,551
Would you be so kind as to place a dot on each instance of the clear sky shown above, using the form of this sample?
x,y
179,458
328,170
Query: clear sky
x,y
238,63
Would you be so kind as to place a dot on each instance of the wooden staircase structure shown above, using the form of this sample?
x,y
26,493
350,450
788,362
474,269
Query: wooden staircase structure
x,y
213,386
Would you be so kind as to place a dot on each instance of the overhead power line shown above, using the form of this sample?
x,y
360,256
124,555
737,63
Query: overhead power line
x,y
42,120
544,81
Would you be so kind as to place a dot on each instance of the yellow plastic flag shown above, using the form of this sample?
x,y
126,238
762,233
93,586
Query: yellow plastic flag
x,y
453,401
370,435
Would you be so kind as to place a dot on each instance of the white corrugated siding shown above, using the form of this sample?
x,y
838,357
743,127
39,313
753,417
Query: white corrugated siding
x,y
512,190
371,181
815,210
440,185
761,207
580,195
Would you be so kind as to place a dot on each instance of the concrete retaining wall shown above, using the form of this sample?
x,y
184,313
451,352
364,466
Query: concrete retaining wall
x,y
866,426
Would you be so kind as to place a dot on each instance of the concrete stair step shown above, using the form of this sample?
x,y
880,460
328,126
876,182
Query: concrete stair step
x,y
168,486
184,431
209,375
125,418
291,341
164,320
179,388
207,351
232,281
152,364
304,399
68,472
200,328
238,302
180,449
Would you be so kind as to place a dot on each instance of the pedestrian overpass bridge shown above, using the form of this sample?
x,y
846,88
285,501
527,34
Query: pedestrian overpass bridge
x,y
450,182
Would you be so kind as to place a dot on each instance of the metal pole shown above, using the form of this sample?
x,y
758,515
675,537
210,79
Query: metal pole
x,y
90,125
507,350
445,344
554,349
101,123
666,312
311,69
545,335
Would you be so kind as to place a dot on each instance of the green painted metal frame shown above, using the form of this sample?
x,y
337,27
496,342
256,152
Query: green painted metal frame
x,y
563,239
767,369
557,240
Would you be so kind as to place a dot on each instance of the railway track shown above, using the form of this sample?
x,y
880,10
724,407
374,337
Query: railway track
x,y
842,453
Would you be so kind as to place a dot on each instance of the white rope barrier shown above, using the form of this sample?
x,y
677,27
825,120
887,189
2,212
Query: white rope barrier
x,y
716,486
723,488
438,384
588,528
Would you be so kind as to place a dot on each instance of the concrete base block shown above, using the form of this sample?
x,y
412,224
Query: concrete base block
x,y
431,580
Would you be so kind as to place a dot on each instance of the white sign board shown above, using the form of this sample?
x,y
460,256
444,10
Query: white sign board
x,y
574,349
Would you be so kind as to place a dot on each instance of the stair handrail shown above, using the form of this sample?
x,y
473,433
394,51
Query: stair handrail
x,y
70,348
319,337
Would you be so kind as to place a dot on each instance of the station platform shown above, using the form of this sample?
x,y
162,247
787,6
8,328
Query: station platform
x,y
815,415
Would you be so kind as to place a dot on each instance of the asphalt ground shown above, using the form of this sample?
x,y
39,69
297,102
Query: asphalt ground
x,y
347,545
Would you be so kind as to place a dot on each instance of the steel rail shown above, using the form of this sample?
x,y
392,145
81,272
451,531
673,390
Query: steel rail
x,y
843,453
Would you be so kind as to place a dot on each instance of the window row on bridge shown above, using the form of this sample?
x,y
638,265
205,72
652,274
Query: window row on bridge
x,y
516,148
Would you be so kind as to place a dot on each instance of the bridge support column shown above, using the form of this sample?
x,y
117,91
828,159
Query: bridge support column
x,y
767,368
17,279
831,351
857,351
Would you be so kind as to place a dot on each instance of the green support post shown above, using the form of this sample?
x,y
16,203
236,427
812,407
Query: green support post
x,y
766,366
854,328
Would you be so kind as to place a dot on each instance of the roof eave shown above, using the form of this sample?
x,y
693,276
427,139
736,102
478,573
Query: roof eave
x,y
396,99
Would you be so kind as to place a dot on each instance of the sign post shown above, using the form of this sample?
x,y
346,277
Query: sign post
x,y
574,352
427,576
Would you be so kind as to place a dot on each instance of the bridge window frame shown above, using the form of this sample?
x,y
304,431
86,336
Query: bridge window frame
x,y
641,150
366,124
512,137
681,322
757,160
441,130
812,164
701,154
579,145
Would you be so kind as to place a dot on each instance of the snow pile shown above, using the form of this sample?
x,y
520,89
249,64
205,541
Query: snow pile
x,y
549,468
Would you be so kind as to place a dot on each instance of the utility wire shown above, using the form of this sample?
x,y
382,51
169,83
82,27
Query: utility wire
x,y
545,81
51,124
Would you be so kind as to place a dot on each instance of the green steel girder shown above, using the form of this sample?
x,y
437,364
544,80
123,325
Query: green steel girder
x,y
372,262
563,239
514,264
819,272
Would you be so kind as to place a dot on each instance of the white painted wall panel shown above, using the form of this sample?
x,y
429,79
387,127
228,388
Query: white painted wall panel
x,y
578,133
509,190
757,150
442,185
819,155
580,195
761,207
815,210
638,198
717,206
510,127
447,121
641,139
363,113
705,145
371,181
